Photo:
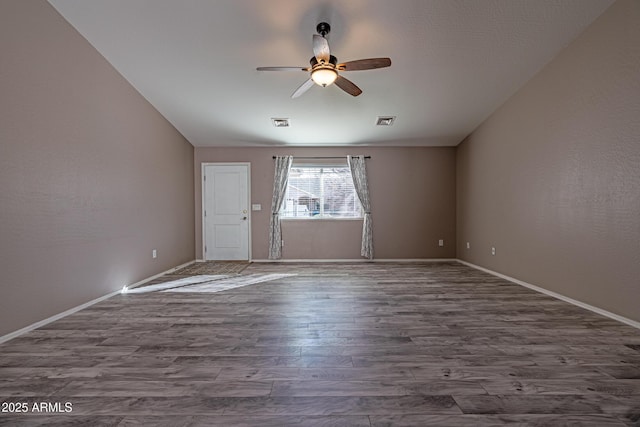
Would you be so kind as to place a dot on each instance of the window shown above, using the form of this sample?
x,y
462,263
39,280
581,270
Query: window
x,y
320,192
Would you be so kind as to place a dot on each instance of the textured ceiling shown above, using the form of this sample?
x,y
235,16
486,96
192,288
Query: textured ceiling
x,y
454,63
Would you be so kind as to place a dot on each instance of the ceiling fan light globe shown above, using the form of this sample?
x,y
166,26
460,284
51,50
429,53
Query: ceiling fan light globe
x,y
324,76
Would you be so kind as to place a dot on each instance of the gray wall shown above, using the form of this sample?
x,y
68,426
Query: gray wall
x,y
92,178
552,178
412,197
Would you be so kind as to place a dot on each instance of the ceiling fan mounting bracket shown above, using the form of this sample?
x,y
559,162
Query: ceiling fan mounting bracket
x,y
323,29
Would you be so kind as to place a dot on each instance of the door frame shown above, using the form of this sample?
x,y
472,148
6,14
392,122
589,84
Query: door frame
x,y
202,190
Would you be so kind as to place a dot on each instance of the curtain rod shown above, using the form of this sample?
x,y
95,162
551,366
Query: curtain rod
x,y
323,157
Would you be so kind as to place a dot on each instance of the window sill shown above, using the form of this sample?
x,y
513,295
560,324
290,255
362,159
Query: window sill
x,y
321,219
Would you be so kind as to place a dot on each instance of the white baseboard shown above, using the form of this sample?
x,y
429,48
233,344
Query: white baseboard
x,y
564,298
400,260
66,313
415,260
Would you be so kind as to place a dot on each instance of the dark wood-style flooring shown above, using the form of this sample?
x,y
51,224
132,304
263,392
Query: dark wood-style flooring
x,y
432,344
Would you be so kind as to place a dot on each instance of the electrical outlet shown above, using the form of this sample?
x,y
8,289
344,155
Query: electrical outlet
x,y
154,254
468,245
493,251
440,242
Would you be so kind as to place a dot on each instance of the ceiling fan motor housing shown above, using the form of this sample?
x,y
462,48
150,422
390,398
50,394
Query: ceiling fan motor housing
x,y
332,60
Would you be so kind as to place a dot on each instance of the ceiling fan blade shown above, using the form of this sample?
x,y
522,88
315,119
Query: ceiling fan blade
x,y
365,64
321,48
282,69
348,86
303,88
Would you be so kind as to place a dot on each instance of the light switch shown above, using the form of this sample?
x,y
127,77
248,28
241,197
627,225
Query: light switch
x,y
256,207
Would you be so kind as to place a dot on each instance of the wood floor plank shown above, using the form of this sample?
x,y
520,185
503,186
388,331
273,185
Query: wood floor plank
x,y
316,374
563,386
545,404
497,372
70,421
530,420
375,388
322,405
281,421
137,388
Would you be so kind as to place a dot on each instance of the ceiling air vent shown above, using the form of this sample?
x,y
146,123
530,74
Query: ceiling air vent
x,y
385,120
280,123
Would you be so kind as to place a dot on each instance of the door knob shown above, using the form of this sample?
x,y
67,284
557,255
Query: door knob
x,y
244,218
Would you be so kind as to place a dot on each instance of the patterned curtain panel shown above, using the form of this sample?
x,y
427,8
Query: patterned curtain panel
x,y
359,174
283,164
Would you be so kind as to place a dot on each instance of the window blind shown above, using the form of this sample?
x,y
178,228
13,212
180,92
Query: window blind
x,y
320,191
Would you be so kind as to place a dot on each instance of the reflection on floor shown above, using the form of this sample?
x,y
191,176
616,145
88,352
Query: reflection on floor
x,y
209,284
176,283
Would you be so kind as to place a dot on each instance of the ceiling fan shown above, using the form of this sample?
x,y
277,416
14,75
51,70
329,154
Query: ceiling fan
x,y
325,67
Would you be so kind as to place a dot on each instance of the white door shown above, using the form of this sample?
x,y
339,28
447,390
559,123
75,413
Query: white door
x,y
226,211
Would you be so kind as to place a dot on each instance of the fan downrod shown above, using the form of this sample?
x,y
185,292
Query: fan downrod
x,y
323,28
